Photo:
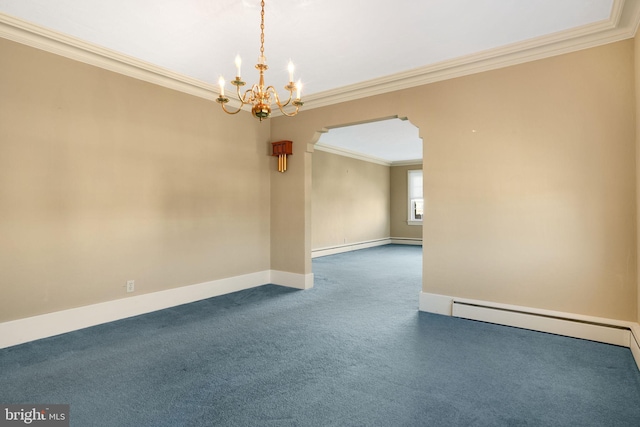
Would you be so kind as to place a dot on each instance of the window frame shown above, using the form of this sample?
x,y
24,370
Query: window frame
x,y
411,219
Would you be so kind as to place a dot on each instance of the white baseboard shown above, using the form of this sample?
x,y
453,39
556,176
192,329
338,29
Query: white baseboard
x,y
348,247
46,325
406,241
292,280
434,303
610,331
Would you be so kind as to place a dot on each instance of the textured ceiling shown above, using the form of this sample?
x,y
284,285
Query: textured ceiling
x,y
341,49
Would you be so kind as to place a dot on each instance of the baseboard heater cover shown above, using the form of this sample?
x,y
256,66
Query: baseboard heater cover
x,y
634,343
544,322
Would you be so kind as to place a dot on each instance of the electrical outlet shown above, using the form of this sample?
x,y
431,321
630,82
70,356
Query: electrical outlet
x,y
131,285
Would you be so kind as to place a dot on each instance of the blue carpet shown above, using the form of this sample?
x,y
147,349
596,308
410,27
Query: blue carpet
x,y
352,351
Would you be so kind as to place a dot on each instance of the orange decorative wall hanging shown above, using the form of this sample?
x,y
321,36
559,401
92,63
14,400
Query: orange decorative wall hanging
x,y
282,149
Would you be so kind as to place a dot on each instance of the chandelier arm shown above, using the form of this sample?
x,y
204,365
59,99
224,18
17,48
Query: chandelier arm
x,y
230,112
277,98
249,95
291,114
281,106
255,90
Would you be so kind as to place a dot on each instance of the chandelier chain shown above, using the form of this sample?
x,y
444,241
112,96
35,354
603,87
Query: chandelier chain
x,y
262,29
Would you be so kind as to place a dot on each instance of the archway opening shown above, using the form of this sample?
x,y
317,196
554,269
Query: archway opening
x,y
361,187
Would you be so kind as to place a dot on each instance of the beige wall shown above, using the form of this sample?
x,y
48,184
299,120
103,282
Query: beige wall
x,y
637,86
350,201
399,204
104,178
535,208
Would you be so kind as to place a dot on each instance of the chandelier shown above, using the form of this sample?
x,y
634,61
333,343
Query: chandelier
x,y
259,96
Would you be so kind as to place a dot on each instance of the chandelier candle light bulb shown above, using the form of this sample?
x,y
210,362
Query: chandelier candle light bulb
x,y
260,96
290,68
238,64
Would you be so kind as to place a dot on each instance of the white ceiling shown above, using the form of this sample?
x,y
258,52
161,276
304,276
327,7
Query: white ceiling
x,y
390,141
342,49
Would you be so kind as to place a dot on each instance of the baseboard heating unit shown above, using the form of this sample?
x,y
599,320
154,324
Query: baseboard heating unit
x,y
609,331
585,327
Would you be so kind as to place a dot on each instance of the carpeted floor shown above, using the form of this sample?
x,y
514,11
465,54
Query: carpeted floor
x,y
352,351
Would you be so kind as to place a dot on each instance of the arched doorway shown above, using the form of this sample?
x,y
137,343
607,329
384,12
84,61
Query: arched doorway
x,y
360,186
291,192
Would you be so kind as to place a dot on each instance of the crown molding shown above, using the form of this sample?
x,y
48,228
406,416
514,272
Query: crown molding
x,y
352,154
24,32
622,24
48,40
414,162
364,157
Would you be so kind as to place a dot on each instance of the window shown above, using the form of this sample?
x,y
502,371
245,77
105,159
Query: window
x,y
415,199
